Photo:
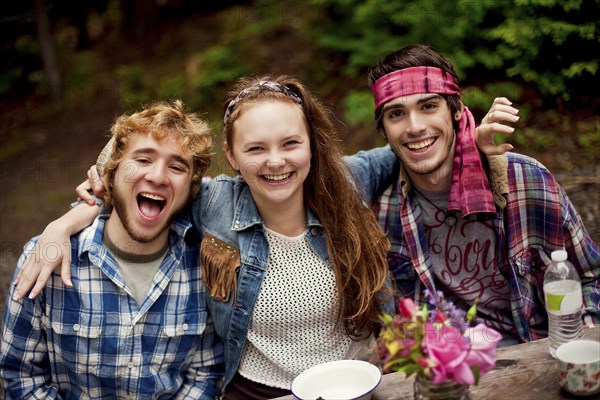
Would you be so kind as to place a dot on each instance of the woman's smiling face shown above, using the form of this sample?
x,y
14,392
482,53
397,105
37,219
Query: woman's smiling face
x,y
270,146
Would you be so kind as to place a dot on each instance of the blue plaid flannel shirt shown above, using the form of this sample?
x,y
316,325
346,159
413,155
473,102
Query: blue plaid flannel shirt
x,y
93,341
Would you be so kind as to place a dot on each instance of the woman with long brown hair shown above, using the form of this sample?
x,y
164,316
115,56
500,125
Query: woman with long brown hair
x,y
313,269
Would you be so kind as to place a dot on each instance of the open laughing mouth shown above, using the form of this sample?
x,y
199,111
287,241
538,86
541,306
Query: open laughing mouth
x,y
150,205
422,146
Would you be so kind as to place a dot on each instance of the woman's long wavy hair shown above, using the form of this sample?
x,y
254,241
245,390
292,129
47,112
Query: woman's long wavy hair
x,y
356,243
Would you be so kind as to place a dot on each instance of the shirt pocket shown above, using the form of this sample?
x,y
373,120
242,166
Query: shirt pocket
x,y
76,340
532,263
181,338
530,267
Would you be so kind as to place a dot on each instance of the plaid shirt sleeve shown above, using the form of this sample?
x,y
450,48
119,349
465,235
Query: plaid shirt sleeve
x,y
541,218
585,256
24,364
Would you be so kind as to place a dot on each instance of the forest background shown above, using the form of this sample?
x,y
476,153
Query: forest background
x,y
69,67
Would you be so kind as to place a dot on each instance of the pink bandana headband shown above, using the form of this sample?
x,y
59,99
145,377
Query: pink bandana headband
x,y
414,80
470,191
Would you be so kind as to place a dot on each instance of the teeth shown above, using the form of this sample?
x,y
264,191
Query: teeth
x,y
152,196
421,145
277,178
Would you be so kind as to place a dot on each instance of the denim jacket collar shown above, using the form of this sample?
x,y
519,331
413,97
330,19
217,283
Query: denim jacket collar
x,y
246,214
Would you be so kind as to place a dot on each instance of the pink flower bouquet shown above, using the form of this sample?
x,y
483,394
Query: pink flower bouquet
x,y
438,344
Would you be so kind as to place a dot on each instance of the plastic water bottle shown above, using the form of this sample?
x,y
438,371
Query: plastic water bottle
x,y
562,290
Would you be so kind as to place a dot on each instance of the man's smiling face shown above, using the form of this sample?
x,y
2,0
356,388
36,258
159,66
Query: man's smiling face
x,y
151,185
420,131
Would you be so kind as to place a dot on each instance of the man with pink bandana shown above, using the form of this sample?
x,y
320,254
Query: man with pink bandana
x,y
478,229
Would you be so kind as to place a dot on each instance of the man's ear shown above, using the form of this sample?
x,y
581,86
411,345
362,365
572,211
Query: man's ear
x,y
230,157
458,114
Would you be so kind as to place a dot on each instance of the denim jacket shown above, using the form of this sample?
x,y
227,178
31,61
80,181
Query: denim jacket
x,y
235,247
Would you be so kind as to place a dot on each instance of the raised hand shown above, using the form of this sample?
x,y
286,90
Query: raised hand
x,y
493,123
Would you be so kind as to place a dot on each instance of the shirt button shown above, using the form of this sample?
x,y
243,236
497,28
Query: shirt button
x,y
185,327
130,364
314,231
76,327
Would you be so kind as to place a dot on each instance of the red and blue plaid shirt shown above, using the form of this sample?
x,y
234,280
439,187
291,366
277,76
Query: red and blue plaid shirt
x,y
536,219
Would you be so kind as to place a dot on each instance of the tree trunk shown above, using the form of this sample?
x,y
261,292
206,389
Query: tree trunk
x,y
47,49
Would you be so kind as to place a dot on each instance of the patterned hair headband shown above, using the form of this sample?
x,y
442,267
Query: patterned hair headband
x,y
269,85
414,80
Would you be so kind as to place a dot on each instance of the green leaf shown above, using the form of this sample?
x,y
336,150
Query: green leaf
x,y
387,319
476,373
472,311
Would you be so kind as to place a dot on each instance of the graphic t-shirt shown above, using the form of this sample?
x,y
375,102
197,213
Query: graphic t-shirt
x,y
464,263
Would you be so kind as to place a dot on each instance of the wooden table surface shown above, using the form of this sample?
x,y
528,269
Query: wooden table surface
x,y
524,371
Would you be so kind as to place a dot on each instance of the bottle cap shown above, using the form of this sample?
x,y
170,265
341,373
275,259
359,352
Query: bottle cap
x,y
559,255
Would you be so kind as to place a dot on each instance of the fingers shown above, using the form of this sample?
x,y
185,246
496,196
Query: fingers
x,y
39,263
497,149
24,280
96,181
83,192
503,114
499,112
40,283
503,148
65,269
490,129
39,273
27,275
502,100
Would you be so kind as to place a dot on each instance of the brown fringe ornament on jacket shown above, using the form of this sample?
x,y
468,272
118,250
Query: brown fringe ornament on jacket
x,y
219,261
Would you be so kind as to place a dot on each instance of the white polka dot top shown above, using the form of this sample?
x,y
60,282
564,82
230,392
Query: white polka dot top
x,y
292,325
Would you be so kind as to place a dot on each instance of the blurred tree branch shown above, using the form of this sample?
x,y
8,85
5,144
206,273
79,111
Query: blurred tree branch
x,y
47,50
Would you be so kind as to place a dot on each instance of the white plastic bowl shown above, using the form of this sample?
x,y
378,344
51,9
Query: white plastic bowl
x,y
337,380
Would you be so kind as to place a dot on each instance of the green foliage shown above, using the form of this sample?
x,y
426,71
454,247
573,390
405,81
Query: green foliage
x,y
480,98
7,79
81,82
552,44
367,30
531,42
172,87
526,50
215,69
358,106
590,141
217,65
135,89
533,139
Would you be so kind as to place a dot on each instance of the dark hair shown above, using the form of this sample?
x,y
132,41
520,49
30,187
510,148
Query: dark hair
x,y
416,55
